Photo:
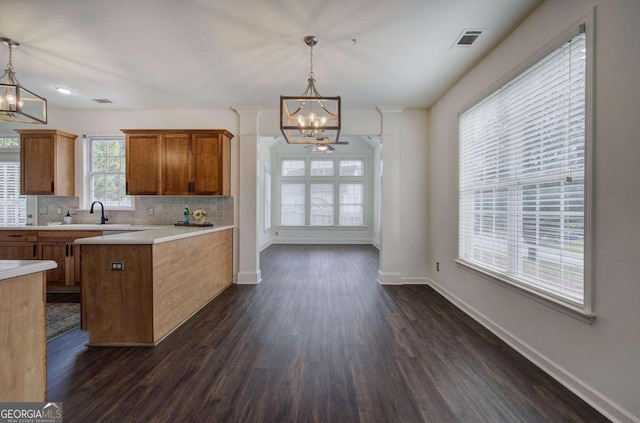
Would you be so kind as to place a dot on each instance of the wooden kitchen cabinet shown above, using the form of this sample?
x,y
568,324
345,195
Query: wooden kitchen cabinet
x,y
178,162
47,162
143,155
58,246
18,245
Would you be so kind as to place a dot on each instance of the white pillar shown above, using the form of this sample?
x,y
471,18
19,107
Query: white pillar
x,y
390,197
247,226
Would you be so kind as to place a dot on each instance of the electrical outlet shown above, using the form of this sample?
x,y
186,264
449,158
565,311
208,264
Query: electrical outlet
x,y
116,265
150,211
43,210
437,266
276,233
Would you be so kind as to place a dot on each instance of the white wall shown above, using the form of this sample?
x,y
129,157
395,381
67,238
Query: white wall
x,y
600,362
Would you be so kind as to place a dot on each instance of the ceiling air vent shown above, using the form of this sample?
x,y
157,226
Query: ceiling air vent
x,y
467,37
102,100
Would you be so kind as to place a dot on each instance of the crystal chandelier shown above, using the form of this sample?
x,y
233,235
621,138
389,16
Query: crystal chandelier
x,y
17,104
310,118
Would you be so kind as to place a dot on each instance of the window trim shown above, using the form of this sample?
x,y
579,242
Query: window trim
x,y
85,200
586,312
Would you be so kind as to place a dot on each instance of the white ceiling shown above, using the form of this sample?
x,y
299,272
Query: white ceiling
x,y
199,54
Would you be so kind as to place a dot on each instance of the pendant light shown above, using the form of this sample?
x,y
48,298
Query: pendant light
x,y
18,104
310,118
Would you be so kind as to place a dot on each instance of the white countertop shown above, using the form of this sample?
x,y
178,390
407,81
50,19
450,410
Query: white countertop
x,y
155,236
86,227
14,268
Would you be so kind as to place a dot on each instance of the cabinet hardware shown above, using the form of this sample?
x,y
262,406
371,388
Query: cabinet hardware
x,y
14,236
52,186
71,250
34,250
66,250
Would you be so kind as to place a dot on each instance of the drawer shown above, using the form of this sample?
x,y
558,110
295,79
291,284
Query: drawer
x,y
18,236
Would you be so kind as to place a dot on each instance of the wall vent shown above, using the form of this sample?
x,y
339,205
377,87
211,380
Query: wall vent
x,y
467,38
102,100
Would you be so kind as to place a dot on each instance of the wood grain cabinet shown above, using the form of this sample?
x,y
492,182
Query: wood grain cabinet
x,y
178,162
47,162
58,246
18,245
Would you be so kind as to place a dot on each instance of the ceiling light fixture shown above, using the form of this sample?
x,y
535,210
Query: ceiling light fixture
x,y
17,104
63,90
310,118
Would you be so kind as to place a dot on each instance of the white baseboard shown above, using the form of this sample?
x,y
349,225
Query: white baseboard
x,y
375,243
414,281
389,278
594,398
322,241
249,278
264,245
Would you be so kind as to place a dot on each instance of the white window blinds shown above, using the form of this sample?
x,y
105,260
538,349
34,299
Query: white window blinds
x,y
13,206
522,177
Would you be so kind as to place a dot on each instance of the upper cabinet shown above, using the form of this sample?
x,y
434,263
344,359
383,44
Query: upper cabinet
x,y
47,162
178,162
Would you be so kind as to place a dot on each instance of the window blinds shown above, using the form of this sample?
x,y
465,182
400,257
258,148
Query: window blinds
x,y
522,173
13,206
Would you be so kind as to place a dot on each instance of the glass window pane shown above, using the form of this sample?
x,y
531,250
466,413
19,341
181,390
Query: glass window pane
x,y
292,199
321,167
351,204
108,172
351,167
321,205
293,167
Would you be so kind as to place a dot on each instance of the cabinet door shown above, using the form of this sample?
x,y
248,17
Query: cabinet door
x,y
207,162
57,251
18,250
37,171
143,164
176,167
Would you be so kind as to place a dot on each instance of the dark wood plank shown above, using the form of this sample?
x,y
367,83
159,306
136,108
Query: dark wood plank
x,y
319,340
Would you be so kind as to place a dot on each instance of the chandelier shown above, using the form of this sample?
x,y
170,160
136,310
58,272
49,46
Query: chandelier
x,y
17,104
310,118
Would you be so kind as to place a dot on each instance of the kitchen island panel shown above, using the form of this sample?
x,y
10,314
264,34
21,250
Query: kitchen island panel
x,y
117,306
188,273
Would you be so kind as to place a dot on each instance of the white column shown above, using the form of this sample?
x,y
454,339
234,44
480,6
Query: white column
x,y
390,197
247,225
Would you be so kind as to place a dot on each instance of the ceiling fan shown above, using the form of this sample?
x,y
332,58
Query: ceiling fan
x,y
324,148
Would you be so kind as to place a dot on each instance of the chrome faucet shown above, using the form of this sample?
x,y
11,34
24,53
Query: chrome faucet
x,y
103,218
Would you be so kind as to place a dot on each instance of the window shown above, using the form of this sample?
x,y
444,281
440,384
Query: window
x,y
292,203
293,167
107,179
321,204
13,206
351,204
321,167
330,193
267,199
351,167
522,178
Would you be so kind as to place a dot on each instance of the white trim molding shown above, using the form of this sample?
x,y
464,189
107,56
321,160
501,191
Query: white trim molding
x,y
249,278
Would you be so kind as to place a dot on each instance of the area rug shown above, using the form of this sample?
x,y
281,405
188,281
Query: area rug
x,y
61,318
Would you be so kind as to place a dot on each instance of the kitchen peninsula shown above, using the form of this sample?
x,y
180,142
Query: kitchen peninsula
x,y
139,287
23,361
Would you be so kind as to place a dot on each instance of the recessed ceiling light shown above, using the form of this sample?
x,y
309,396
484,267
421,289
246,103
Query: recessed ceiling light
x,y
63,90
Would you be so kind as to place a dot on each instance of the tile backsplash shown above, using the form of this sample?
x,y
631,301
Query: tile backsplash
x,y
166,210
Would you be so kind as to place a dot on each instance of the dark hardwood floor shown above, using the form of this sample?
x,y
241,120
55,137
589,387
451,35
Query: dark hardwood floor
x,y
319,340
